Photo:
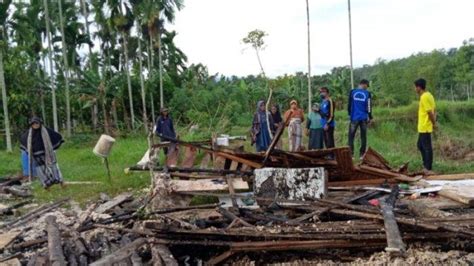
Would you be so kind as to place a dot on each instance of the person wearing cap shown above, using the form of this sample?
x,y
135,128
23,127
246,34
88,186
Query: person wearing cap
x,y
294,118
40,143
360,115
327,117
314,129
164,126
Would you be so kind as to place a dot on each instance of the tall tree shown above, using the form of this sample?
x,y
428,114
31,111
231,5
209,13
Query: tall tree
x,y
51,67
3,43
65,71
122,19
256,41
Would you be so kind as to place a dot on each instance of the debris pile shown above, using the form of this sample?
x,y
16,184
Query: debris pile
x,y
358,213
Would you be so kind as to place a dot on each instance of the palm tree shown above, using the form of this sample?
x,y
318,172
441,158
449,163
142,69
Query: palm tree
x,y
153,16
66,70
51,68
142,86
3,16
123,22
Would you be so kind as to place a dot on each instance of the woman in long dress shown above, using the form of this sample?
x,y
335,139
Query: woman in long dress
x,y
260,128
40,143
277,121
294,118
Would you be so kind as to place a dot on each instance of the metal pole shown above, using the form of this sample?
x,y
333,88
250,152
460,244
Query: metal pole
x,y
350,42
309,59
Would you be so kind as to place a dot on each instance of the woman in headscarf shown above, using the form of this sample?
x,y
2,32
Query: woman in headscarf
x,y
294,118
260,128
277,121
315,129
40,143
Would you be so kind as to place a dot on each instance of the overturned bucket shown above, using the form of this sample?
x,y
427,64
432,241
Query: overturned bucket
x,y
104,146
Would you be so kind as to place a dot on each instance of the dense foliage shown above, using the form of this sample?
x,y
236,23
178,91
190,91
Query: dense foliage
x,y
111,42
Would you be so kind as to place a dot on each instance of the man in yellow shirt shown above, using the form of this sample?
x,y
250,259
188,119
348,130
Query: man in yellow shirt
x,y
426,124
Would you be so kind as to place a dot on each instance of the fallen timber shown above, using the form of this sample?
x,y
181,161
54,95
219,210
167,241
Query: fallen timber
x,y
162,235
125,230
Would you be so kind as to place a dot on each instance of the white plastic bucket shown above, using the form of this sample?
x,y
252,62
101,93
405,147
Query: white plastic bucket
x,y
103,146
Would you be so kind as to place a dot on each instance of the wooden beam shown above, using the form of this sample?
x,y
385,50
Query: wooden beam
x,y
121,254
451,177
114,202
162,256
395,245
460,194
206,185
55,248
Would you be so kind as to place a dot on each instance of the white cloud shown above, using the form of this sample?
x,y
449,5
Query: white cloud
x,y
210,32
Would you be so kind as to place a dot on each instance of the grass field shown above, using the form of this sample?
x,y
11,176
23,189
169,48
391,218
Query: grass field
x,y
393,134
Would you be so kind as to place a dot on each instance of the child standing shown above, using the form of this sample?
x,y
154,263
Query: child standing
x,y
314,129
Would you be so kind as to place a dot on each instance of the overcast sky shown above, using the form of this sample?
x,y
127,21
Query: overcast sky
x,y
210,32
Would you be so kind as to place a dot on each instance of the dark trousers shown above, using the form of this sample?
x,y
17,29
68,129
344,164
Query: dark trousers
x,y
363,136
426,149
329,138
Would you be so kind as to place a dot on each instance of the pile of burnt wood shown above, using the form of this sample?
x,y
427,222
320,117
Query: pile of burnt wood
x,y
258,207
127,231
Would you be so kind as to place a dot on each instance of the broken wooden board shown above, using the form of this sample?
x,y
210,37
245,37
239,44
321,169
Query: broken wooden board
x,y
172,156
462,194
114,202
190,154
292,184
395,243
375,159
451,177
12,262
206,185
162,193
7,238
439,202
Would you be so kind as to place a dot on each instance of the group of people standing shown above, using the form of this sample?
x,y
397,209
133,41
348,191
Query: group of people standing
x,y
38,143
319,125
320,122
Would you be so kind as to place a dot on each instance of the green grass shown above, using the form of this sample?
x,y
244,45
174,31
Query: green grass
x,y
393,134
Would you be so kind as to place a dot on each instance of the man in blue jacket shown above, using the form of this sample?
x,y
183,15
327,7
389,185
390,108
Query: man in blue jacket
x,y
164,126
360,115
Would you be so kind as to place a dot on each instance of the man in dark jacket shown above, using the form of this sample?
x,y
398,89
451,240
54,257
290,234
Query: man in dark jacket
x,y
164,125
360,115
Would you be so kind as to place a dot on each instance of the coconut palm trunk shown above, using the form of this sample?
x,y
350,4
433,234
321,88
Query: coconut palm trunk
x,y
160,62
51,68
142,85
5,105
66,70
129,82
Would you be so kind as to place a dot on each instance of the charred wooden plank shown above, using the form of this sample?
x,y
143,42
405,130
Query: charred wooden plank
x,y
395,243
56,255
121,254
162,256
114,202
